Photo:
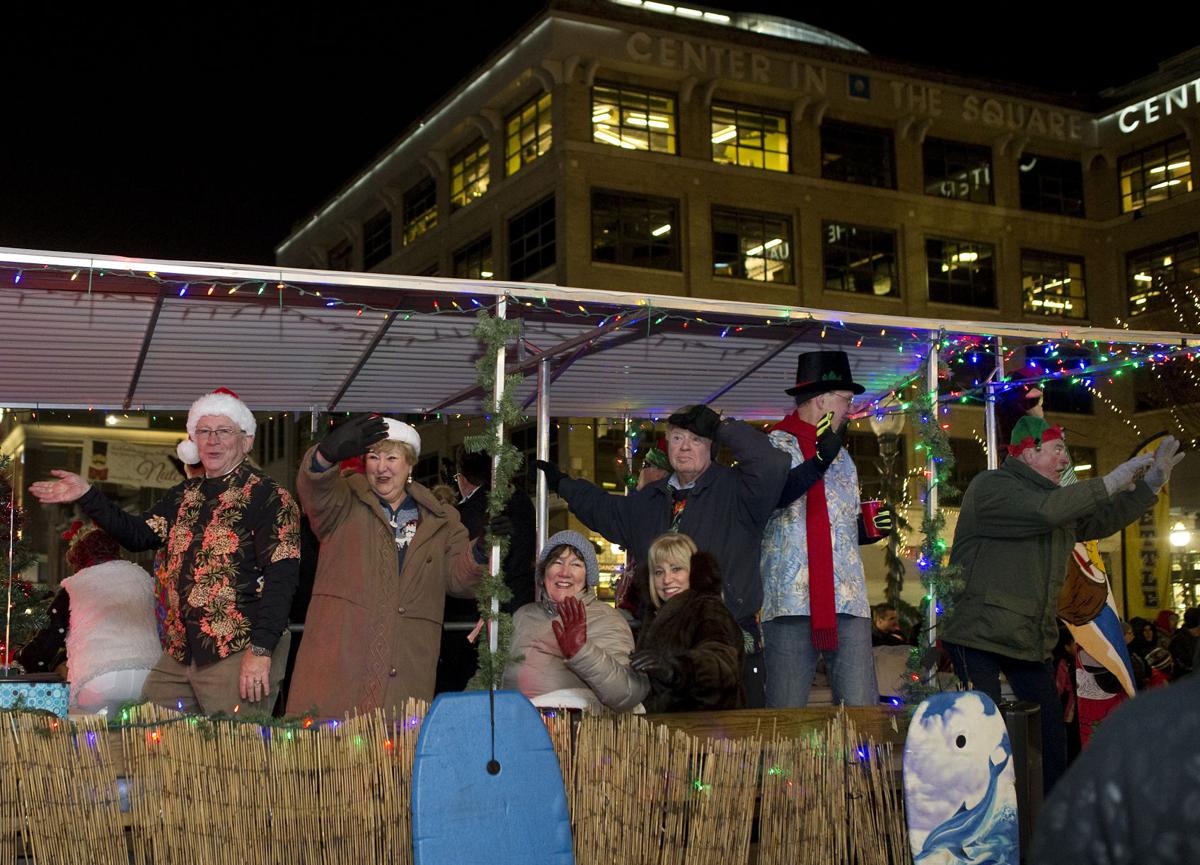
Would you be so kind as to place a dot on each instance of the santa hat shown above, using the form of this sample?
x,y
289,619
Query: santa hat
x,y
1032,432
222,402
399,431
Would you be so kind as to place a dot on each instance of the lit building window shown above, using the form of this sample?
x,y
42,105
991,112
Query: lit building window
x,y
420,209
748,245
1158,277
531,246
1155,174
377,239
469,175
633,119
474,261
860,259
857,154
749,137
527,134
1053,284
340,256
957,170
635,229
1050,185
961,272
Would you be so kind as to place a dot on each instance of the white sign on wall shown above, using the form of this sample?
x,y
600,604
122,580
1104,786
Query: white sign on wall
x,y
135,465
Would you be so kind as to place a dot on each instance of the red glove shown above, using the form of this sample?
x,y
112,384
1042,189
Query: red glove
x,y
572,633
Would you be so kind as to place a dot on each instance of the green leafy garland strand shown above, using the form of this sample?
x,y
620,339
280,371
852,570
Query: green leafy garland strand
x,y
31,604
939,580
495,333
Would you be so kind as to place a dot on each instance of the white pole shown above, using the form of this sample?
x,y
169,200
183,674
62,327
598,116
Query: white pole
x,y
991,430
493,630
931,495
543,450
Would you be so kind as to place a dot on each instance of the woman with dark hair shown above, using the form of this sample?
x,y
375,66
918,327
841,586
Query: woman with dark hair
x,y
573,648
690,647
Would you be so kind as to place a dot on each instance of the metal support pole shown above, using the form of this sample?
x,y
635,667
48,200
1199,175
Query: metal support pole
x,y
543,450
493,630
991,430
931,494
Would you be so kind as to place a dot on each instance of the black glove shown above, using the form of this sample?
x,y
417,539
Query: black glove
x,y
554,475
661,666
698,419
884,520
352,438
829,441
500,526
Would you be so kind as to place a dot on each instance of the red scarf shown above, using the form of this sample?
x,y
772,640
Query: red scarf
x,y
819,538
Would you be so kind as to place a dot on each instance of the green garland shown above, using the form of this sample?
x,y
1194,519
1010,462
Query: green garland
x,y
495,333
939,580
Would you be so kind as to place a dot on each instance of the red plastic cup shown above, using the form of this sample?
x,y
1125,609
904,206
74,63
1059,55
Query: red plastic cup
x,y
869,510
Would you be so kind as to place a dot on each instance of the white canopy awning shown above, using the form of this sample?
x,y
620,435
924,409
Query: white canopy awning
x,y
86,331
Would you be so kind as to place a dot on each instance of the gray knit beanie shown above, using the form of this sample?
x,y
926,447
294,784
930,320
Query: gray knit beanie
x,y
580,545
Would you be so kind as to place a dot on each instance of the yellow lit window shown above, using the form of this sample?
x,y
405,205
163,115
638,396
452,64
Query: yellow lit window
x,y
527,134
469,175
633,119
1155,174
749,137
420,209
1053,285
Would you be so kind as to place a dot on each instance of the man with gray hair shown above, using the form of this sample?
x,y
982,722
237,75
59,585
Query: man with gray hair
x,y
233,556
724,509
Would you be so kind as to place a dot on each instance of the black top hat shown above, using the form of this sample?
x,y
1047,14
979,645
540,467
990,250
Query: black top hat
x,y
822,371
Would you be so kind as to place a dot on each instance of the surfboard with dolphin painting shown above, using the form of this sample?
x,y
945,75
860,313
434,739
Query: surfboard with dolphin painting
x,y
959,783
486,786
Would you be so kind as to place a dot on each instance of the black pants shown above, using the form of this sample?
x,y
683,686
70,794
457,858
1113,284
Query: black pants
x,y
754,680
1030,680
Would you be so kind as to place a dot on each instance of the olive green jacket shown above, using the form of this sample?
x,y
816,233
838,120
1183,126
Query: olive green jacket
x,y
1015,532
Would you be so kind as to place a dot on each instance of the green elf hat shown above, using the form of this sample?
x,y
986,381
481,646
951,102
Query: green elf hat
x,y
1032,432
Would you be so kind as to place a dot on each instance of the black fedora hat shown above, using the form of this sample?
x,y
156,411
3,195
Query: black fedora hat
x,y
823,371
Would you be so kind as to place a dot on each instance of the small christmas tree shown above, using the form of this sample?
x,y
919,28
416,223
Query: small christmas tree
x,y
26,613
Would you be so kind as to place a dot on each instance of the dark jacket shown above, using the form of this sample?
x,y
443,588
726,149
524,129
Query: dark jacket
x,y
697,632
1014,534
726,512
518,563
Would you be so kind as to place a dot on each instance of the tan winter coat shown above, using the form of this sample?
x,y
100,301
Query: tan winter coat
x,y
371,638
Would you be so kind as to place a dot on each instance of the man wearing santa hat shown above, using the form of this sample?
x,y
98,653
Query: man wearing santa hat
x,y
232,544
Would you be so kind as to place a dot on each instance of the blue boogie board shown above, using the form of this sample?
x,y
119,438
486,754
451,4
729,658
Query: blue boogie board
x,y
959,784
461,811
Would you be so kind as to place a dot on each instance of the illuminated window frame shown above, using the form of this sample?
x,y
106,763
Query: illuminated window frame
x,y
645,119
635,230
957,170
474,261
377,239
1156,173
1156,276
741,135
1053,284
857,258
961,272
528,134
751,245
420,209
469,174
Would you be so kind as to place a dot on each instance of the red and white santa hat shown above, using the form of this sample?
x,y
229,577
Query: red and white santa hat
x,y
223,402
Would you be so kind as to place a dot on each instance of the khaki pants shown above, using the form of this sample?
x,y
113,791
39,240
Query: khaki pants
x,y
214,687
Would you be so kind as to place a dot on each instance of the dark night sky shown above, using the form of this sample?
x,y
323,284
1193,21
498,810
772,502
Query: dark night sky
x,y
204,134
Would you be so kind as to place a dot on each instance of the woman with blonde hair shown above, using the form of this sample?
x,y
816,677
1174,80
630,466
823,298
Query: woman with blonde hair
x,y
690,647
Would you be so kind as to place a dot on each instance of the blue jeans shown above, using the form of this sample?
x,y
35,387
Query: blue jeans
x,y
1030,680
792,661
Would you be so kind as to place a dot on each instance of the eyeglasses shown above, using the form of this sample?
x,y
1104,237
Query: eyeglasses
x,y
221,434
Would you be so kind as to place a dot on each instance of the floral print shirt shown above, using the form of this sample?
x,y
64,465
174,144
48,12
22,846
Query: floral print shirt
x,y
785,544
232,560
